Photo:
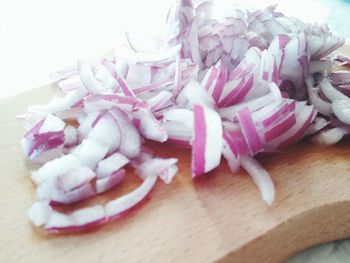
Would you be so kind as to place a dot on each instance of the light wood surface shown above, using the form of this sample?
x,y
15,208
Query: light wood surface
x,y
219,217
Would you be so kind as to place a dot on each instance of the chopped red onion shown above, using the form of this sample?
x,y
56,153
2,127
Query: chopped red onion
x,y
342,60
106,131
90,152
110,181
261,178
111,164
74,178
55,168
88,79
131,141
207,140
166,169
235,85
149,126
329,137
331,93
45,140
341,109
48,191
116,207
321,105
70,136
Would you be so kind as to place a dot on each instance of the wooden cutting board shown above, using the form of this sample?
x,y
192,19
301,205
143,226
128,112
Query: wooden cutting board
x,y
219,217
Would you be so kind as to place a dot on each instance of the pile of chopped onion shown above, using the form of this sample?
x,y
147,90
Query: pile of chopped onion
x,y
234,86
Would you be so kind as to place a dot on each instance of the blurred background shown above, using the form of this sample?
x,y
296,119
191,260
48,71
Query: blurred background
x,y
38,37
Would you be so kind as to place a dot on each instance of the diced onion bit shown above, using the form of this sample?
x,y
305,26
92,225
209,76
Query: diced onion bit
x,y
232,85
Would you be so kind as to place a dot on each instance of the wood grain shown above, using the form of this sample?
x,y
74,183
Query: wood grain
x,y
219,217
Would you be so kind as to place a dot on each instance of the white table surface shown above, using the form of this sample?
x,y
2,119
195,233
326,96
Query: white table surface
x,y
38,37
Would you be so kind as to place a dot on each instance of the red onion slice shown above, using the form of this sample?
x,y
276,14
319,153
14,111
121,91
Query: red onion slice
x,y
329,137
153,57
45,140
180,115
236,143
166,169
74,178
197,95
252,105
110,165
115,208
249,131
330,92
320,66
149,126
238,90
64,74
55,168
88,79
321,105
317,125
159,101
282,110
70,84
232,160
48,192
341,109
304,117
193,41
42,214
60,104
280,127
207,140
70,136
43,147
343,60
90,152
131,142
110,181
106,131
260,177
178,133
